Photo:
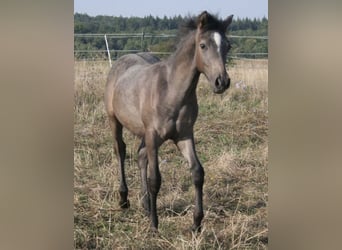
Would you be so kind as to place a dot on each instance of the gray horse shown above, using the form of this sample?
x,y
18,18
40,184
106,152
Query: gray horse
x,y
156,100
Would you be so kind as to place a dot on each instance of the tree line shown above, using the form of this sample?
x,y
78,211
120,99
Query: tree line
x,y
85,24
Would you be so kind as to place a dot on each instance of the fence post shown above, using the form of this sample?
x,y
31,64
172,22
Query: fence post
x,y
110,61
142,41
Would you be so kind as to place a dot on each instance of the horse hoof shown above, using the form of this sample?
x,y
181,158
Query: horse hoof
x,y
124,204
196,229
154,231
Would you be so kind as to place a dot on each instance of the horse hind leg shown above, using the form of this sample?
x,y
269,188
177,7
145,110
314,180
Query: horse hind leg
x,y
120,152
142,163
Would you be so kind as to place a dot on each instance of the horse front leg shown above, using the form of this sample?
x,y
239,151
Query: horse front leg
x,y
153,177
187,147
142,163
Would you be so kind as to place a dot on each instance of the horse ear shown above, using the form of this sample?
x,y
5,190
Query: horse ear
x,y
202,19
227,21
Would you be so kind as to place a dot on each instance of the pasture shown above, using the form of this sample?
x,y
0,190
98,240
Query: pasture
x,y
231,135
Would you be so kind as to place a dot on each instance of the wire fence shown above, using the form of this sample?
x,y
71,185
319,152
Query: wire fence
x,y
109,54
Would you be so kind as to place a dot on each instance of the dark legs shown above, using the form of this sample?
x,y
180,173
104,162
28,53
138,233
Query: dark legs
x,y
151,178
142,163
187,147
150,174
148,164
153,175
120,152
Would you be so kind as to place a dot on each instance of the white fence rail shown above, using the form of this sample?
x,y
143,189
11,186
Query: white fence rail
x,y
143,36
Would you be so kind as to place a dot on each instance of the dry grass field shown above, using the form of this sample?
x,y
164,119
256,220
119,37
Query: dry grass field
x,y
231,136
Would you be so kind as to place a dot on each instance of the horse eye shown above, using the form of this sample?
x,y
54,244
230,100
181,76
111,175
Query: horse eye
x,y
202,45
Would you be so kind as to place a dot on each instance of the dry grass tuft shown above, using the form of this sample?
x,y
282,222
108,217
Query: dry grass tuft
x,y
231,141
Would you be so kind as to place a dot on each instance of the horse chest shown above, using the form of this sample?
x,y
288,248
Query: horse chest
x,y
176,123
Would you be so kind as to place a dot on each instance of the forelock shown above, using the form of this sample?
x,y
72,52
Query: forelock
x,y
213,24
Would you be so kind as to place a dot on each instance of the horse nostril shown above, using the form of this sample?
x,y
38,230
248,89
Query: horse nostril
x,y
218,82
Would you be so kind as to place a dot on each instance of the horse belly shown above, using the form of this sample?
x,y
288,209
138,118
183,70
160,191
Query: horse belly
x,y
134,127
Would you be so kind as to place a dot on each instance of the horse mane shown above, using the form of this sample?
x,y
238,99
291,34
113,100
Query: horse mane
x,y
190,23
189,26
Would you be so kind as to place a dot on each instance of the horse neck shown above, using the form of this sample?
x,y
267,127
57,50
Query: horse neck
x,y
183,74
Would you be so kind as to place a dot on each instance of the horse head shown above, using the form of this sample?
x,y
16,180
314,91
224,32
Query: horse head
x,y
212,47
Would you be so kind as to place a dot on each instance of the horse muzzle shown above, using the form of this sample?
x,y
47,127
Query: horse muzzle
x,y
221,84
